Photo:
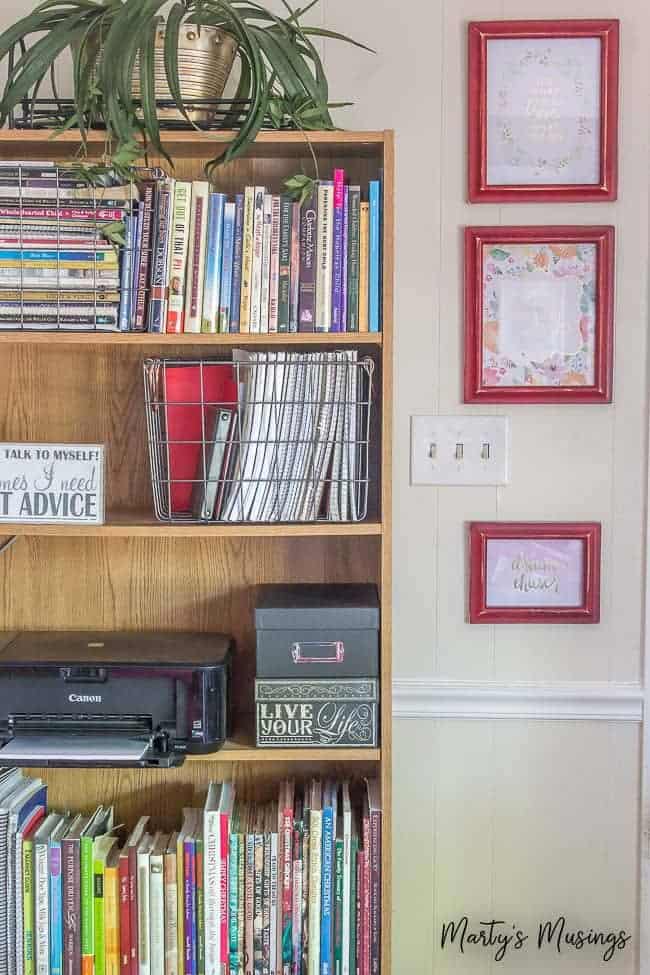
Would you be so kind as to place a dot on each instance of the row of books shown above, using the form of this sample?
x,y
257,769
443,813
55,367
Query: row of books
x,y
270,437
289,887
260,263
57,269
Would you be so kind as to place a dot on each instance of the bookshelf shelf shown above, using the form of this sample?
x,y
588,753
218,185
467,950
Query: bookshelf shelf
x,y
234,751
147,339
145,526
135,573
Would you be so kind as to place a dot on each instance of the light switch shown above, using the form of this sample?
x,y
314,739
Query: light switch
x,y
461,450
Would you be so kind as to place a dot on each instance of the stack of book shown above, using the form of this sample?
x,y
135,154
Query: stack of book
x,y
57,269
259,263
291,887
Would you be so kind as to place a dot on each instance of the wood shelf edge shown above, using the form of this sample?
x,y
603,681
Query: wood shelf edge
x,y
332,339
147,527
233,752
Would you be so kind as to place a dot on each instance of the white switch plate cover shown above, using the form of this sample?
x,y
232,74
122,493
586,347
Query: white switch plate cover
x,y
460,450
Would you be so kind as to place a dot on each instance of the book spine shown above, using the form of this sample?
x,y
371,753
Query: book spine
x,y
212,884
125,276
56,910
71,907
267,227
212,280
366,909
157,915
99,942
135,264
364,227
354,203
189,921
358,917
112,920
171,915
296,964
144,914
326,892
274,284
337,255
142,296
225,296
78,214
374,257
276,908
306,874
125,916
224,857
247,260
258,907
42,909
160,261
199,906
249,915
308,242
256,272
352,953
233,903
134,910
266,907
324,258
28,893
375,891
294,291
344,283
284,270
338,909
180,897
241,906
286,880
198,234
238,247
315,879
87,944
178,256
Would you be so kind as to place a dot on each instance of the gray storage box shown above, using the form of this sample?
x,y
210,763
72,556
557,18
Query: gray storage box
x,y
317,631
317,713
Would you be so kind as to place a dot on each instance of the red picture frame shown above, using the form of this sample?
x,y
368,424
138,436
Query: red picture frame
x,y
600,391
479,35
484,609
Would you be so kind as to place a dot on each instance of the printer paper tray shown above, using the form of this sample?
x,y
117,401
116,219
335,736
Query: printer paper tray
x,y
87,750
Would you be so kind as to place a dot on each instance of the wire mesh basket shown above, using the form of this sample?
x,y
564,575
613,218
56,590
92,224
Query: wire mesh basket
x,y
264,437
58,268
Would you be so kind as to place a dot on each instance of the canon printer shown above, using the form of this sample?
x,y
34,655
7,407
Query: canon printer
x,y
111,699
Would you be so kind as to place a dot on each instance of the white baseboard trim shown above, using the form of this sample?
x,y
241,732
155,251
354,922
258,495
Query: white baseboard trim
x,y
594,701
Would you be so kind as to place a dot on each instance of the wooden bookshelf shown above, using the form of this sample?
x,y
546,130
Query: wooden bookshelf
x,y
134,573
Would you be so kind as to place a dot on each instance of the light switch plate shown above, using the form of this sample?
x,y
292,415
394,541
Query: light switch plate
x,y
460,450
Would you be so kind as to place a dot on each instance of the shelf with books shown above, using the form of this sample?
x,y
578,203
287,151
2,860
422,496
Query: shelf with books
x,y
143,525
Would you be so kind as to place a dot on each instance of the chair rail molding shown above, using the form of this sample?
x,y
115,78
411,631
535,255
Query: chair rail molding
x,y
593,701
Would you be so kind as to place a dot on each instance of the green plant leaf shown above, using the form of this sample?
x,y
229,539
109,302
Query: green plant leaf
x,y
148,87
172,33
498,254
335,36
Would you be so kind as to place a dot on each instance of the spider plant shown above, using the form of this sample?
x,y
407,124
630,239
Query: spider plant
x,y
281,75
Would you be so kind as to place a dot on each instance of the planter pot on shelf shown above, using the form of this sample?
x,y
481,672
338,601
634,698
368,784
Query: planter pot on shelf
x,y
205,60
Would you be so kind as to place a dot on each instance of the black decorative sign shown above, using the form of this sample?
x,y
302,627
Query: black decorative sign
x,y
317,713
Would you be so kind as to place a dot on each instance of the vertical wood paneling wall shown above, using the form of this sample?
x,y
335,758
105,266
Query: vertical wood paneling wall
x,y
512,819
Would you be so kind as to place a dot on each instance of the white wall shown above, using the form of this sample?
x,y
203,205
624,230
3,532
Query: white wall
x,y
513,819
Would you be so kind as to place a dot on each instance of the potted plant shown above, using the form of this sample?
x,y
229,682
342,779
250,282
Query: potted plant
x,y
126,56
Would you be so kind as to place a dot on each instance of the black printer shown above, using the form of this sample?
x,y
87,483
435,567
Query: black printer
x,y
112,699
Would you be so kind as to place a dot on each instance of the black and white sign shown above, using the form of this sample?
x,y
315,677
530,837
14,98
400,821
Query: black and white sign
x,y
52,483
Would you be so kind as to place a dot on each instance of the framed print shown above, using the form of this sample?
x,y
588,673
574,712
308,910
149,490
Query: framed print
x,y
531,572
539,314
543,110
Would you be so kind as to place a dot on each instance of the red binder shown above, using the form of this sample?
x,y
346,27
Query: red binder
x,y
190,405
